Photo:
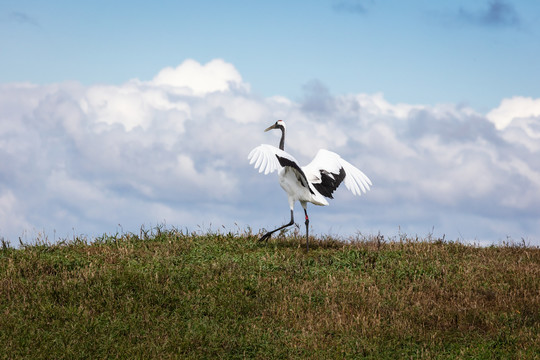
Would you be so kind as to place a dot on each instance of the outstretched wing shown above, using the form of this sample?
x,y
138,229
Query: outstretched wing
x,y
328,170
268,158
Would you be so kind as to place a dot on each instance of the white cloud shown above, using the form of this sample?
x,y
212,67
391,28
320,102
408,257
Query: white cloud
x,y
174,149
377,106
191,77
517,107
12,218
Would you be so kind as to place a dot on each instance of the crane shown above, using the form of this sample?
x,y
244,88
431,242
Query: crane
x,y
311,183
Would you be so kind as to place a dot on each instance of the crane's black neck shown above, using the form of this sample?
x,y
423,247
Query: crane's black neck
x,y
282,141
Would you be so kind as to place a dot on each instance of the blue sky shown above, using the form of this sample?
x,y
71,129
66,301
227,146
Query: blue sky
x,y
425,52
119,114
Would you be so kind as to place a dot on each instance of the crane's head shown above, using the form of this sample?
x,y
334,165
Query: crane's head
x,y
280,124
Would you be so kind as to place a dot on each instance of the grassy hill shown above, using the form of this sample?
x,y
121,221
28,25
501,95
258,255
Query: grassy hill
x,y
167,294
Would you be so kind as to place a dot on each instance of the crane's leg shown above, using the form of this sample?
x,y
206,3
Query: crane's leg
x,y
304,205
266,236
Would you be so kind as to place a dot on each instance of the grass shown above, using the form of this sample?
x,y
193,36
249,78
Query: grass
x,y
168,294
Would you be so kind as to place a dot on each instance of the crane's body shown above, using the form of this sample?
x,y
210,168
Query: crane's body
x,y
311,183
289,181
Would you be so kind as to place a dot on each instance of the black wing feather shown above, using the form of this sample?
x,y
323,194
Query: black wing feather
x,y
329,182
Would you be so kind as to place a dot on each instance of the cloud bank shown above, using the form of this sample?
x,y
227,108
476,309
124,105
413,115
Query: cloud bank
x,y
173,149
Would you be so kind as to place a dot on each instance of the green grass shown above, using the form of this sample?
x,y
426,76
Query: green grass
x,y
167,294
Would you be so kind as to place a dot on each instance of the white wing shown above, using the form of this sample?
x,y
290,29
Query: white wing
x,y
325,172
265,158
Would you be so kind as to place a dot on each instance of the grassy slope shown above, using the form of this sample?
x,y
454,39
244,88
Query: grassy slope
x,y
174,295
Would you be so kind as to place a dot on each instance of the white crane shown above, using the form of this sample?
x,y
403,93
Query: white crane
x,y
311,183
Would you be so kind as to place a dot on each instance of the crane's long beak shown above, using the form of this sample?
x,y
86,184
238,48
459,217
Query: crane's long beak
x,y
270,128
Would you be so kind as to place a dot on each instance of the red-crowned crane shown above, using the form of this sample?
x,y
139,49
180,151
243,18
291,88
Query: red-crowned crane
x,y
311,183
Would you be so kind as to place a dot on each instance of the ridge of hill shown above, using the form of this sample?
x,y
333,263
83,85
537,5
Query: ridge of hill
x,y
168,294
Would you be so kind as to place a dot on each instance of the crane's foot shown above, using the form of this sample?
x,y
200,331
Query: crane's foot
x,y
265,237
